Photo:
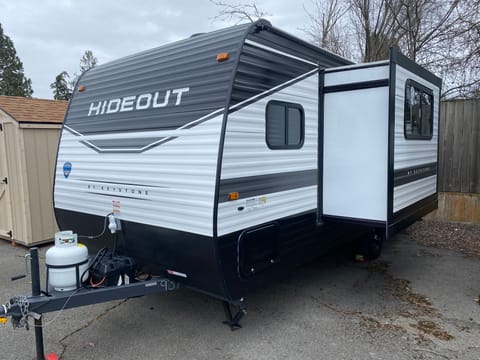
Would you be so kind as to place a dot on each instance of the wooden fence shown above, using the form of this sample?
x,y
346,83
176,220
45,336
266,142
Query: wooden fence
x,y
459,143
459,163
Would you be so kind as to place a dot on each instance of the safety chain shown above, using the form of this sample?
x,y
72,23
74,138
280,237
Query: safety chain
x,y
23,304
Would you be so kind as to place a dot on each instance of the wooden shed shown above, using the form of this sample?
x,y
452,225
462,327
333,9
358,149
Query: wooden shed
x,y
29,131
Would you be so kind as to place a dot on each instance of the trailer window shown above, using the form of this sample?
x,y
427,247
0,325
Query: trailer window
x,y
284,125
418,121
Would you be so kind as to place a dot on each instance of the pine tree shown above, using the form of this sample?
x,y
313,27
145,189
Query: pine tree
x,y
87,61
12,79
61,88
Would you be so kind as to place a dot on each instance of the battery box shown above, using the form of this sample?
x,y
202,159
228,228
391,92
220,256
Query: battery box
x,y
112,267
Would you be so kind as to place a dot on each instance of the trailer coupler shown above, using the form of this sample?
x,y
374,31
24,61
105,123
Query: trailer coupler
x,y
18,309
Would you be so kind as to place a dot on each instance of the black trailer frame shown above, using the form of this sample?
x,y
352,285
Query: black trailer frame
x,y
41,302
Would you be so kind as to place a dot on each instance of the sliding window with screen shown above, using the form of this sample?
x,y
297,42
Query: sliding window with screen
x,y
284,125
418,123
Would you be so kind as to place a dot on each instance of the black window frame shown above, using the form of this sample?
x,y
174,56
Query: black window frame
x,y
424,90
287,106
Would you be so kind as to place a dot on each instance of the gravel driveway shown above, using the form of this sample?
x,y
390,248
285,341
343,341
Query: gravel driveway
x,y
461,237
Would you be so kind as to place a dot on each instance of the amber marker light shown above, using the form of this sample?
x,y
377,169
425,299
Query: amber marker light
x,y
233,196
222,56
81,88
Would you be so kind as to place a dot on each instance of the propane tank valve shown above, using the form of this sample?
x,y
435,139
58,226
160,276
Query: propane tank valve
x,y
114,224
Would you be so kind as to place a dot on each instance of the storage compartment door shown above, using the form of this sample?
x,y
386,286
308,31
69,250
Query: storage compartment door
x,y
257,250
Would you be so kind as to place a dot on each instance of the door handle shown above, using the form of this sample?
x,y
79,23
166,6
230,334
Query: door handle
x,y
5,180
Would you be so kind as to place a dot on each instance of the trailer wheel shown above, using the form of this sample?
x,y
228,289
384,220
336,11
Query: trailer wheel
x,y
370,246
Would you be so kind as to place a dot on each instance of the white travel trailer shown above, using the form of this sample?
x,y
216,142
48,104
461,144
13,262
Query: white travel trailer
x,y
232,156
224,160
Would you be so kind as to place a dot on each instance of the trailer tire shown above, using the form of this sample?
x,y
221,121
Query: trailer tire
x,y
371,246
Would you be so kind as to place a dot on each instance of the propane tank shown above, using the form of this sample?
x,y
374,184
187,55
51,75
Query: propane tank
x,y
66,261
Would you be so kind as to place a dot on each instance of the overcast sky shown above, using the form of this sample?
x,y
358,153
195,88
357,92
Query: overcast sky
x,y
51,35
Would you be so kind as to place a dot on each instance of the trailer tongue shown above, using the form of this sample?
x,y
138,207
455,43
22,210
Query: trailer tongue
x,y
21,308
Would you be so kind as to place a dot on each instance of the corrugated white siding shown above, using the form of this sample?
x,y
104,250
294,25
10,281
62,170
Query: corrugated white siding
x,y
246,153
179,177
409,153
356,75
413,152
245,150
408,194
276,206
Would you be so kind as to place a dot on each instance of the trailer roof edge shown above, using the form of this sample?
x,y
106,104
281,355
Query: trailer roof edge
x,y
263,24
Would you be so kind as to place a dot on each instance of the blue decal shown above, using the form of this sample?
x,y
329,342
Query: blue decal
x,y
67,169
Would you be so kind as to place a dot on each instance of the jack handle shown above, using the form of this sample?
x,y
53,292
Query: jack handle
x,y
18,277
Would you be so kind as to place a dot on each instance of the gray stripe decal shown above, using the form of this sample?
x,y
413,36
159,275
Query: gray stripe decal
x,y
413,173
249,186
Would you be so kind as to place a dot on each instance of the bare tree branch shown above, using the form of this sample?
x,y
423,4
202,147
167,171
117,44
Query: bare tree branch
x,y
326,27
442,35
238,13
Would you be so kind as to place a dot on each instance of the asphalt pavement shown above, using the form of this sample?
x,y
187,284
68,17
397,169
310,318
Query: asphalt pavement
x,y
414,302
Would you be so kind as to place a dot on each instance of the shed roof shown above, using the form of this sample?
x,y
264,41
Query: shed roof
x,y
31,110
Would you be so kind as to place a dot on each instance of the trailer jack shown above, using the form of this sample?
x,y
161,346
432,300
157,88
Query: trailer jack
x,y
233,321
20,308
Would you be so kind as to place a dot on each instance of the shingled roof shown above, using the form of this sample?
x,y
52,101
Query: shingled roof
x,y
30,110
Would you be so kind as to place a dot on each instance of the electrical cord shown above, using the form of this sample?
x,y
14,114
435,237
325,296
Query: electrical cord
x,y
61,310
98,257
102,252
91,237
115,241
94,285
